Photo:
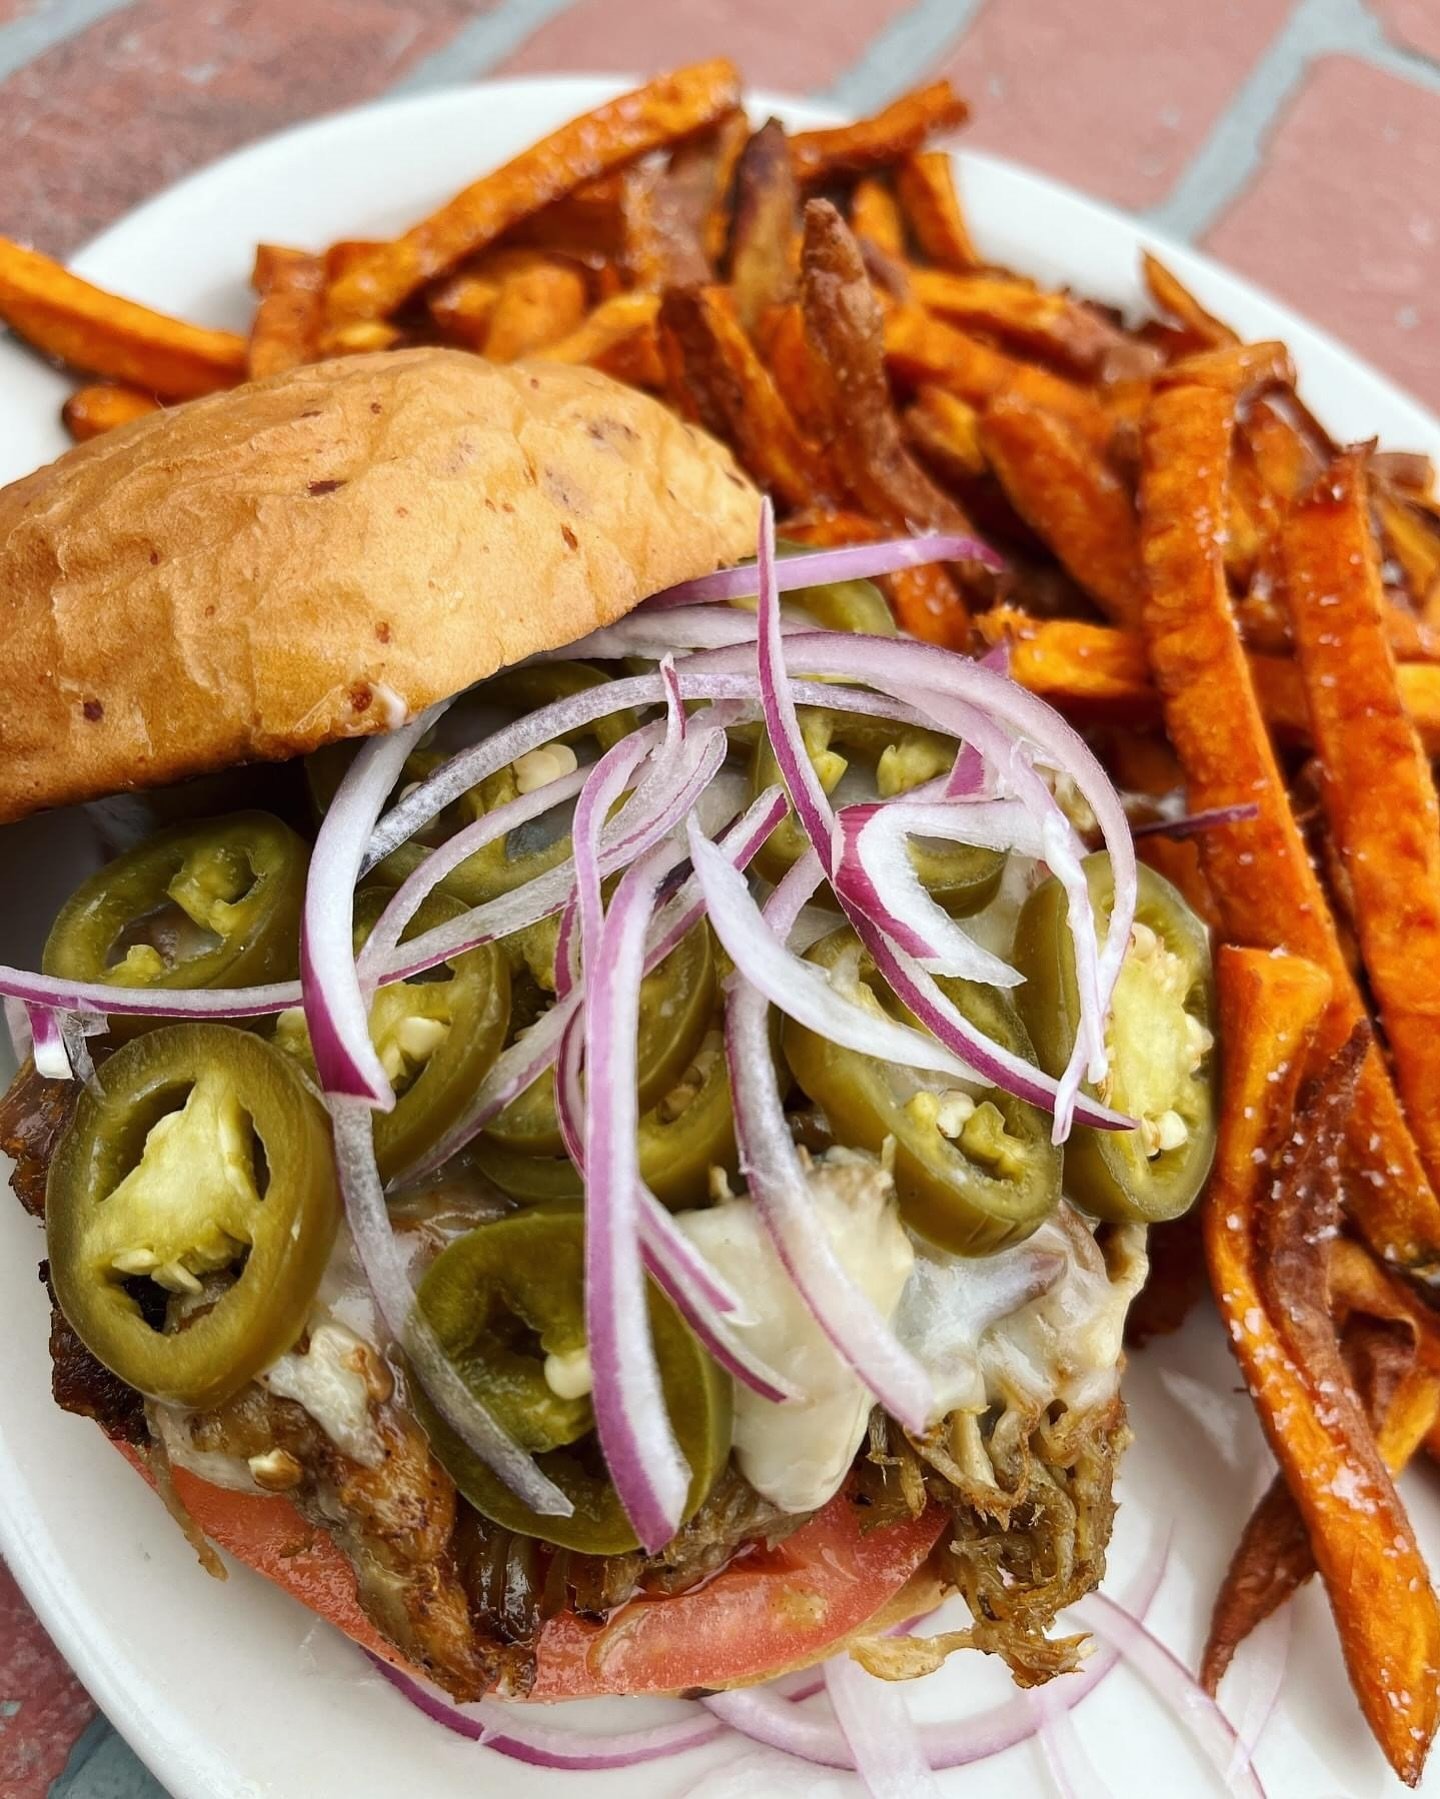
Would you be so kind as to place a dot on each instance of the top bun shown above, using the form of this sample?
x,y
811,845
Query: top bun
x,y
323,554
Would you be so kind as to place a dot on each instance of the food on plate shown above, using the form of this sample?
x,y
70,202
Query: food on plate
x,y
722,1078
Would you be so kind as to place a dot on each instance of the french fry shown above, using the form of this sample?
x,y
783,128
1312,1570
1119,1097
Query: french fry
x,y
584,224
679,219
463,306
765,235
348,253
924,351
1021,316
1377,787
875,216
1273,1009
285,331
904,126
1202,331
1243,370
1265,887
736,397
1404,471
363,337
100,334
92,411
534,308
1282,699
662,112
946,431
1066,494
930,205
1285,462
609,325
636,360
1413,541
785,351
731,136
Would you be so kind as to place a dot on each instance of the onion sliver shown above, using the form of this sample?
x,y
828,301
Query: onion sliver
x,y
47,1044
881,1734
817,568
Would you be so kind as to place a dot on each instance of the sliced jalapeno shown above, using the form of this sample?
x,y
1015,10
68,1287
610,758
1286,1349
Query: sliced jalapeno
x,y
1160,1036
838,605
508,1305
205,1156
199,905
960,877
436,1035
975,1170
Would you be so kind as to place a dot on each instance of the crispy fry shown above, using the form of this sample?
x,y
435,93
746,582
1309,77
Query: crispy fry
x,y
736,397
101,334
785,351
1252,546
534,308
1244,370
346,254
923,350
687,204
662,215
1282,699
1405,471
662,112
731,136
946,431
1022,316
907,124
635,360
1412,539
1378,791
91,411
1065,493
1266,890
1285,462
1273,1009
285,331
765,236
875,216
607,326
463,306
583,224
1201,330
930,205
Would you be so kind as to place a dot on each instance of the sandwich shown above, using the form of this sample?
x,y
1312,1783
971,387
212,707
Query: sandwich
x,y
597,1119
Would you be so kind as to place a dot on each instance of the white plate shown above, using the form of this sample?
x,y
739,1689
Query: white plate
x,y
234,1690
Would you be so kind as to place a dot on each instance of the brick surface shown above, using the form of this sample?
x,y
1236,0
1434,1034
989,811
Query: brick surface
x,y
43,1708
1113,96
104,119
802,47
1415,24
1372,275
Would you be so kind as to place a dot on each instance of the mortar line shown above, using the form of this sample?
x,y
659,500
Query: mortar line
x,y
478,46
900,54
23,39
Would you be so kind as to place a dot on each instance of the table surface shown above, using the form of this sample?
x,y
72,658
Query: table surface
x,y
1298,140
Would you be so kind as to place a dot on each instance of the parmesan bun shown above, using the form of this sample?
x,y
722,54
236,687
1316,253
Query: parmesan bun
x,y
323,554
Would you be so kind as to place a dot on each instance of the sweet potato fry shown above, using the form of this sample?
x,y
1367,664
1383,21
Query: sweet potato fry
x,y
1021,316
1273,1009
1266,890
583,224
1252,542
662,112
1244,370
946,431
607,326
285,331
462,306
875,216
667,208
906,125
1282,699
1412,539
1068,497
534,308
930,205
1378,790
785,351
730,138
635,360
346,254
765,236
1405,471
91,411
101,334
1201,330
735,395
843,327
922,350
362,337
1284,460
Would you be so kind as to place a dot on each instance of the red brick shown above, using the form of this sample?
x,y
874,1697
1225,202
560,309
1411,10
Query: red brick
x,y
1113,96
1413,23
1345,223
797,46
106,118
43,1708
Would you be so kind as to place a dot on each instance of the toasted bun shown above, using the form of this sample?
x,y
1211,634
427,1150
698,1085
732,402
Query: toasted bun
x,y
322,554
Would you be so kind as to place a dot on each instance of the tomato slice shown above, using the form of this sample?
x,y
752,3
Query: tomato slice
x,y
768,1611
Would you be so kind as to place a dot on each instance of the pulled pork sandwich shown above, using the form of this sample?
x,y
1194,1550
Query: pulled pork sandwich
x,y
625,1181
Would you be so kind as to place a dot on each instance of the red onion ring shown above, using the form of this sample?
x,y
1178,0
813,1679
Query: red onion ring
x,y
879,1732
817,568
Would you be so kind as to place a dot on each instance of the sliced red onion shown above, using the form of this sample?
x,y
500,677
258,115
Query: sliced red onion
x,y
73,1034
778,1185
818,568
47,1045
876,1724
1192,824
1259,1671
17,1022
1070,1767
1213,1732
388,1278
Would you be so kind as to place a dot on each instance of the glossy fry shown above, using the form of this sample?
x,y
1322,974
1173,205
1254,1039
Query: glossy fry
x,y
1412,538
1066,494
904,126
1272,1012
785,351
1202,330
1284,460
1022,316
285,331
662,112
765,235
91,411
535,308
100,334
875,216
1378,791
463,306
607,326
1243,370
665,209
930,205
735,396
1282,699
1260,873
946,431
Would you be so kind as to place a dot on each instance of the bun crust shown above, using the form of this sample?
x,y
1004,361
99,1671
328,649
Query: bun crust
x,y
324,553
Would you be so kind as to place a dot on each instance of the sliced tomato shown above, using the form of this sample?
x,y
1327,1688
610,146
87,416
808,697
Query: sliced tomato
x,y
769,1610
